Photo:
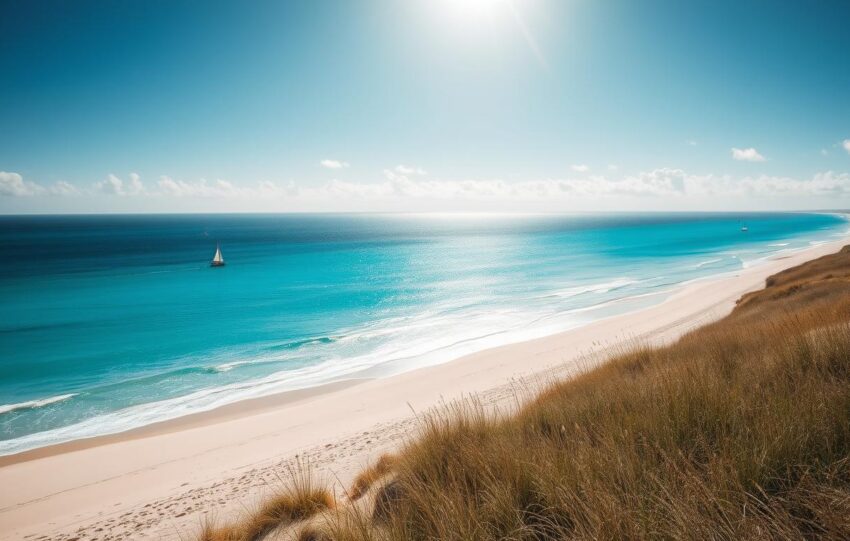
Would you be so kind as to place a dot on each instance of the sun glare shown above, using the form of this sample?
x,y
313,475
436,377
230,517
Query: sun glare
x,y
474,19
475,9
477,5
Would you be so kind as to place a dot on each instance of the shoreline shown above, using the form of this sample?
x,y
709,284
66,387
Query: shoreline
x,y
79,482
264,402
227,412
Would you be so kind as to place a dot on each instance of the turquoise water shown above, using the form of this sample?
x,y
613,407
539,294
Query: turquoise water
x,y
112,322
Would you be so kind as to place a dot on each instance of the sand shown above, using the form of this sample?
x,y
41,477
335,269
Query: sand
x,y
162,481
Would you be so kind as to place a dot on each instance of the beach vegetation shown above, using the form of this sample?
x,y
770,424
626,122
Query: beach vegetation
x,y
367,478
299,498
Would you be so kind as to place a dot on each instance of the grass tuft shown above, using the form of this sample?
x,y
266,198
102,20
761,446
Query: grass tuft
x,y
367,478
299,500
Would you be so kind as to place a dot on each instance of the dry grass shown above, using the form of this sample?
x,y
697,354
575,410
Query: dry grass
x,y
368,477
740,430
298,500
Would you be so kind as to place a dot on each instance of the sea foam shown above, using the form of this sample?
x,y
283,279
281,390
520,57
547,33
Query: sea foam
x,y
33,404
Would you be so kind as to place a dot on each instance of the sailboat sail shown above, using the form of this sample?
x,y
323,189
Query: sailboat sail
x,y
217,261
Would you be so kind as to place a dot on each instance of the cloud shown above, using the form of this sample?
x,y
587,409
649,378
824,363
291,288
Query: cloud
x,y
657,188
267,188
13,184
691,143
824,152
613,167
826,183
167,186
406,170
333,164
203,188
664,181
846,145
113,185
660,183
747,155
581,168
64,188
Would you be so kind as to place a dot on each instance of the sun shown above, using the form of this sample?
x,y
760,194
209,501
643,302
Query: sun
x,y
476,5
478,21
475,9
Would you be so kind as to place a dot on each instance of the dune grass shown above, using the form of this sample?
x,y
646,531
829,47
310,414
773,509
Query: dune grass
x,y
299,499
371,475
740,430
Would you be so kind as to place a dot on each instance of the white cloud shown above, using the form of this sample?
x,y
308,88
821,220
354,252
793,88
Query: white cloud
x,y
167,186
415,191
747,155
691,143
267,188
661,183
64,188
824,152
14,184
406,170
827,183
201,188
664,182
333,164
846,145
112,185
116,186
581,168
613,167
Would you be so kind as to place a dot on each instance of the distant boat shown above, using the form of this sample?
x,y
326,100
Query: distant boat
x,y
217,260
745,229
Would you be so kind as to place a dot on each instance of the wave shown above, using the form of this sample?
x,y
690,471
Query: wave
x,y
34,404
604,287
295,344
709,262
227,367
421,343
276,353
779,244
198,401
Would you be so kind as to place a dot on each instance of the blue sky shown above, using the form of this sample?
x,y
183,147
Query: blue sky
x,y
147,106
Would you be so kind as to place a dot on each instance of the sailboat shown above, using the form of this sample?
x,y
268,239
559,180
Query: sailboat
x,y
744,229
217,260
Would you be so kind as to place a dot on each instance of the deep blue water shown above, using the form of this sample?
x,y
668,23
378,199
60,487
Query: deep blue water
x,y
112,322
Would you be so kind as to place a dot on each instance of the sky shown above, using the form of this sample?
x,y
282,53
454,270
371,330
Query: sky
x,y
424,105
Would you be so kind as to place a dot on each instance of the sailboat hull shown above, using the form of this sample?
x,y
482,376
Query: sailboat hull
x,y
217,264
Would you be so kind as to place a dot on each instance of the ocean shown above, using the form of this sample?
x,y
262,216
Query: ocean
x,y
108,323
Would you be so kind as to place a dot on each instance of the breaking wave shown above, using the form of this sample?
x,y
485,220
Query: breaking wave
x,y
33,404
